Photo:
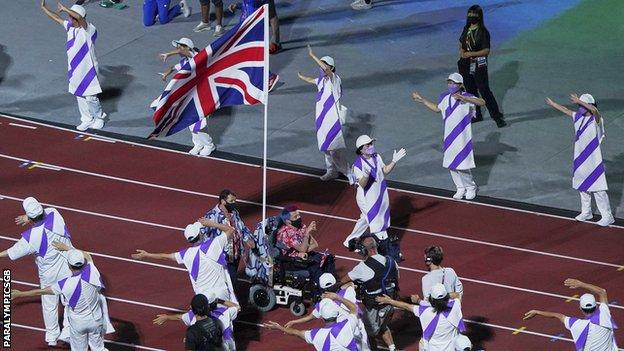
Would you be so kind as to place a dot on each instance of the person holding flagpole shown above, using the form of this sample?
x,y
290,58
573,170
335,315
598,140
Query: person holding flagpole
x,y
330,116
48,226
372,191
82,291
457,108
82,64
588,168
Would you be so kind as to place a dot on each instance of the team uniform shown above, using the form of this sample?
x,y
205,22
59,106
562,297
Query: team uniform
x,y
160,9
206,266
373,199
445,276
51,265
82,73
595,333
226,316
340,336
440,330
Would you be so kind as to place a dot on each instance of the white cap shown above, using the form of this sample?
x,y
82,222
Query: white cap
x,y
192,230
75,258
456,77
328,60
184,41
588,301
587,98
328,309
32,207
438,291
327,280
79,10
462,343
363,140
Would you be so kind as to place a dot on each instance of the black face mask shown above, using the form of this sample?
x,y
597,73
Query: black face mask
x,y
230,206
473,20
296,223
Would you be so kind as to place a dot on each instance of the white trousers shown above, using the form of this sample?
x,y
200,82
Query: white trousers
x,y
49,307
85,334
89,107
362,223
201,138
602,202
462,179
335,161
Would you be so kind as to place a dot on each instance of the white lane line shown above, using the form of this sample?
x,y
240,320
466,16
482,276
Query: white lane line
x,y
511,287
22,126
105,340
416,231
176,310
310,175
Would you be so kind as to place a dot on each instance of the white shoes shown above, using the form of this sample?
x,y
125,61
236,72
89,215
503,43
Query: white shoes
x,y
606,221
195,150
329,175
460,193
98,123
584,217
207,150
186,10
218,31
201,27
471,193
84,125
361,5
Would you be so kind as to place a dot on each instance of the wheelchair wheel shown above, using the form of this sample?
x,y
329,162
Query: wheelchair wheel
x,y
297,308
262,297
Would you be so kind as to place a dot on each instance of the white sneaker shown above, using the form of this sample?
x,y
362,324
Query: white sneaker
x,y
195,150
584,217
84,125
186,10
606,221
471,193
218,31
329,175
460,193
207,150
201,27
52,343
361,5
98,123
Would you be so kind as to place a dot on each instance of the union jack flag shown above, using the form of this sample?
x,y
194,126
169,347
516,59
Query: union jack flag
x,y
231,71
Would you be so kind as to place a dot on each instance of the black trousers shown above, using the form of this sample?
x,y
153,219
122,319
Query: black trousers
x,y
478,84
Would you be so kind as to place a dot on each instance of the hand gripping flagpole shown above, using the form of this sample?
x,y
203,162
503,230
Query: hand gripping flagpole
x,y
266,111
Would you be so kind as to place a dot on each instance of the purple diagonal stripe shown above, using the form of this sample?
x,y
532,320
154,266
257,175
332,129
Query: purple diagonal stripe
x,y
577,116
450,109
589,149
583,127
327,343
428,332
48,222
331,135
319,95
73,300
591,179
442,96
70,43
195,267
313,332
337,328
459,128
582,340
421,309
326,106
352,345
84,84
228,334
372,213
43,247
461,156
26,235
94,37
86,273
84,50
61,283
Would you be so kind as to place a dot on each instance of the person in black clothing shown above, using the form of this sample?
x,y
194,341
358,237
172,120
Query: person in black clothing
x,y
205,334
474,48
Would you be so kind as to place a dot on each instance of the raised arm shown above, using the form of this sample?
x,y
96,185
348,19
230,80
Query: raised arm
x,y
470,99
321,64
430,105
53,15
533,313
350,305
228,230
142,254
75,16
575,284
560,108
396,157
591,108
309,317
385,299
306,78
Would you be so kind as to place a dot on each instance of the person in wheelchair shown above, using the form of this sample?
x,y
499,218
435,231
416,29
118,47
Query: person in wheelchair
x,y
296,241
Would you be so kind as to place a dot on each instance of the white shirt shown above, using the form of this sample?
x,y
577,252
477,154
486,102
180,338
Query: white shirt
x,y
443,338
52,266
446,276
340,342
88,305
600,337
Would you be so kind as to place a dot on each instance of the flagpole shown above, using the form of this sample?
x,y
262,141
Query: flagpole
x,y
266,112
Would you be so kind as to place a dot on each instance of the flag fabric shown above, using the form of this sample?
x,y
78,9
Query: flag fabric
x,y
229,72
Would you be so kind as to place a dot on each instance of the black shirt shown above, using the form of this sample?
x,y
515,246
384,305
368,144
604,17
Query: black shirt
x,y
476,39
204,335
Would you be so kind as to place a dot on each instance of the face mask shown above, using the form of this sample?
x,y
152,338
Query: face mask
x,y
453,88
473,20
296,223
371,150
230,206
582,110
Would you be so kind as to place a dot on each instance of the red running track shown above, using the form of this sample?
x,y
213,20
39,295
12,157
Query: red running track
x,y
117,197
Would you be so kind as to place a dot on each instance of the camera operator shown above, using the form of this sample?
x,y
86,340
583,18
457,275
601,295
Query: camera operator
x,y
377,275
